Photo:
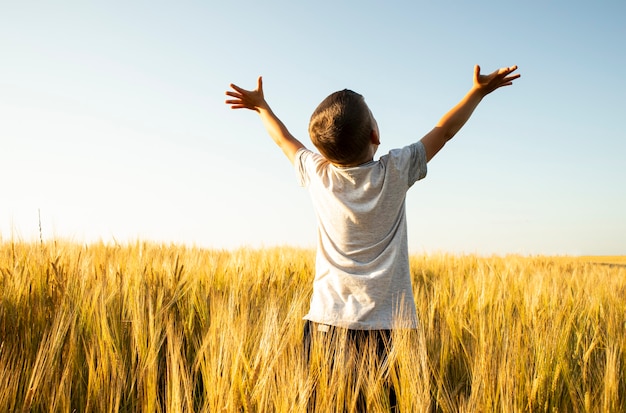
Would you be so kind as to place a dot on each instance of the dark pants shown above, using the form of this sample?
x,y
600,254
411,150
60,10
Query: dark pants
x,y
369,348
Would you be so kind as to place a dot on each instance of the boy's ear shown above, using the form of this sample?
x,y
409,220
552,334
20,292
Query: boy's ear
x,y
374,138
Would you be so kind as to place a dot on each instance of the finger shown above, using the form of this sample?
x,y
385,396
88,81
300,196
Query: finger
x,y
234,94
476,71
511,78
508,81
506,70
237,88
259,83
240,89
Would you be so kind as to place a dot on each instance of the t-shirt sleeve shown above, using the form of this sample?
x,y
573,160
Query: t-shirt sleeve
x,y
299,162
417,164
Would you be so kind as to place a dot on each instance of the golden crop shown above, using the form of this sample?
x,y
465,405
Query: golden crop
x,y
166,328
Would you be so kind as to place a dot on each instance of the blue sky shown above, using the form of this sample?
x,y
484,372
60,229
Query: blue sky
x,y
113,126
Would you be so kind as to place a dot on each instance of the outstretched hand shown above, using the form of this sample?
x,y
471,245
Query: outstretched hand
x,y
247,99
254,100
488,83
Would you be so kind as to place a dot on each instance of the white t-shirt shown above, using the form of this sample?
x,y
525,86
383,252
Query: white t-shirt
x,y
362,277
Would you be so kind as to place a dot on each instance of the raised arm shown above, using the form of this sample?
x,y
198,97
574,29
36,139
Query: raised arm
x,y
454,120
254,100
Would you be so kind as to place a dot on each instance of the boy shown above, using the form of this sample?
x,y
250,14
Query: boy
x,y
362,283
362,267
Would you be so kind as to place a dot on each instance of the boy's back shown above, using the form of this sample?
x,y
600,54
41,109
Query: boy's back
x,y
362,279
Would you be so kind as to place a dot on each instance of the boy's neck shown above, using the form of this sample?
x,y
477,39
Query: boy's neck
x,y
359,162
352,165
368,156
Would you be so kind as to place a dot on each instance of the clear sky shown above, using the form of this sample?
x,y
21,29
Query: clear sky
x,y
113,124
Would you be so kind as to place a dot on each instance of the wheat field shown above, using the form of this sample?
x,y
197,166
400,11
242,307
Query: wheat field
x,y
145,327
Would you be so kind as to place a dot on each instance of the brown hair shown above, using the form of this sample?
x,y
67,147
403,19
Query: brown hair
x,y
340,127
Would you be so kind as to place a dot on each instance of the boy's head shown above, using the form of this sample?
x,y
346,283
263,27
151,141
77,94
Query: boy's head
x,y
343,129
